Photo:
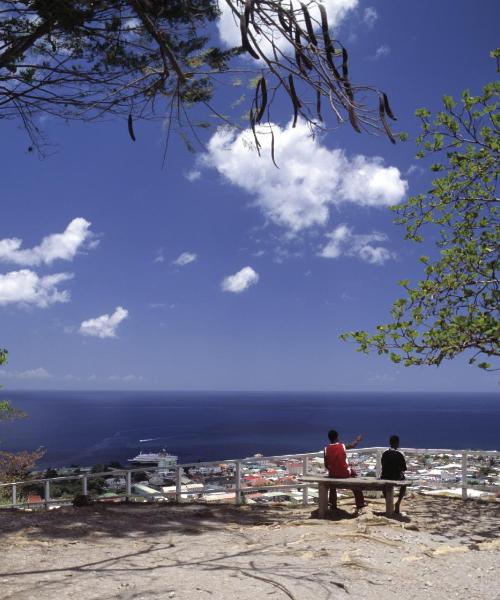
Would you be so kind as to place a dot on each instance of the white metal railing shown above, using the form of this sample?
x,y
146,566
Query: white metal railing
x,y
239,489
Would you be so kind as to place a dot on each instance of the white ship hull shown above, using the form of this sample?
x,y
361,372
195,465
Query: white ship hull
x,y
154,458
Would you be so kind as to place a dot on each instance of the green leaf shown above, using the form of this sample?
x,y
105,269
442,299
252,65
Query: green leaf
x,y
454,307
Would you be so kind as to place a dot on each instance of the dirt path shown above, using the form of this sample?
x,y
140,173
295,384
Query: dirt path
x,y
449,549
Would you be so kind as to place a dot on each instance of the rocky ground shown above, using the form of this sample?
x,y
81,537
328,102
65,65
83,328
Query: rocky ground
x,y
444,549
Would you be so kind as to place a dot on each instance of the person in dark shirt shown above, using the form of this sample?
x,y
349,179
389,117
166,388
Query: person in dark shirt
x,y
394,467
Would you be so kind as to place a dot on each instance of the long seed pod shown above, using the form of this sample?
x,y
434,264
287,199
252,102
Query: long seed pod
x,y
309,25
295,100
353,119
300,58
272,149
387,107
255,103
324,28
348,90
252,18
318,105
298,50
248,10
244,20
252,126
329,58
327,40
381,113
345,64
130,123
262,87
281,16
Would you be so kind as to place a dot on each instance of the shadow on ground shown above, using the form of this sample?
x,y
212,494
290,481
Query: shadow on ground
x,y
122,520
158,553
470,520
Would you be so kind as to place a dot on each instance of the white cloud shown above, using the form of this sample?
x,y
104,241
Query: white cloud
x,y
381,378
132,24
337,10
126,378
412,169
160,257
57,246
335,246
157,305
104,326
367,182
25,287
71,377
310,179
229,28
240,281
283,253
343,242
185,258
381,51
370,17
39,373
192,175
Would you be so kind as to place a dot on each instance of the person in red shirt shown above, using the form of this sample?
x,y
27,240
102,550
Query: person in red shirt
x,y
338,467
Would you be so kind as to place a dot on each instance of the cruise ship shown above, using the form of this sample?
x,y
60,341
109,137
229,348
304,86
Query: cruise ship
x,y
163,459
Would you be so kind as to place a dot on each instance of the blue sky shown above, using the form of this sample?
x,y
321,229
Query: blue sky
x,y
219,272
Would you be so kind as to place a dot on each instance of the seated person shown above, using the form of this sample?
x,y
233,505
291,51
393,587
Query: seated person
x,y
394,467
336,463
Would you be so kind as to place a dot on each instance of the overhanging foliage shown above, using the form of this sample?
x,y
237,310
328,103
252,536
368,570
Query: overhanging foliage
x,y
455,308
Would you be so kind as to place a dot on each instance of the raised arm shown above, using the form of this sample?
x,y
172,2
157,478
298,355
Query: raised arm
x,y
354,442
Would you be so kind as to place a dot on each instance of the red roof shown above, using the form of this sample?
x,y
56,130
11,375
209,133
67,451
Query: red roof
x,y
34,499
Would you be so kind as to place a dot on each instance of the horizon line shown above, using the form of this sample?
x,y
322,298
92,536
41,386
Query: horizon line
x,y
5,389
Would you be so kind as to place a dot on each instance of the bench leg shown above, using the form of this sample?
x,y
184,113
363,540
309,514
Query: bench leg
x,y
323,500
389,500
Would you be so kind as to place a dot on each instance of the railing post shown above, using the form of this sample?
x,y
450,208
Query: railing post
x,y
378,465
305,489
85,488
464,475
237,475
47,492
178,484
128,480
14,494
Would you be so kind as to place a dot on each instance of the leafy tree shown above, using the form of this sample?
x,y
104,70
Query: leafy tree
x,y
455,308
14,465
7,411
138,476
147,59
99,468
114,464
50,472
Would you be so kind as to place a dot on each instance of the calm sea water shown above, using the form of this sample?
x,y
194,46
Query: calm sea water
x,y
87,428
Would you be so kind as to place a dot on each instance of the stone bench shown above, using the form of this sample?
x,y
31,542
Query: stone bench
x,y
353,483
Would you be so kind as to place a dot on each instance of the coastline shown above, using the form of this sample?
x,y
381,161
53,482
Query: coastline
x,y
89,428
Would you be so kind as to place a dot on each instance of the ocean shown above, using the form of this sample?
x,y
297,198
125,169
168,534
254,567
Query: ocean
x,y
87,428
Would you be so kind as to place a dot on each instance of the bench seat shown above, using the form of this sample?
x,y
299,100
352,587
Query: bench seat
x,y
353,483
